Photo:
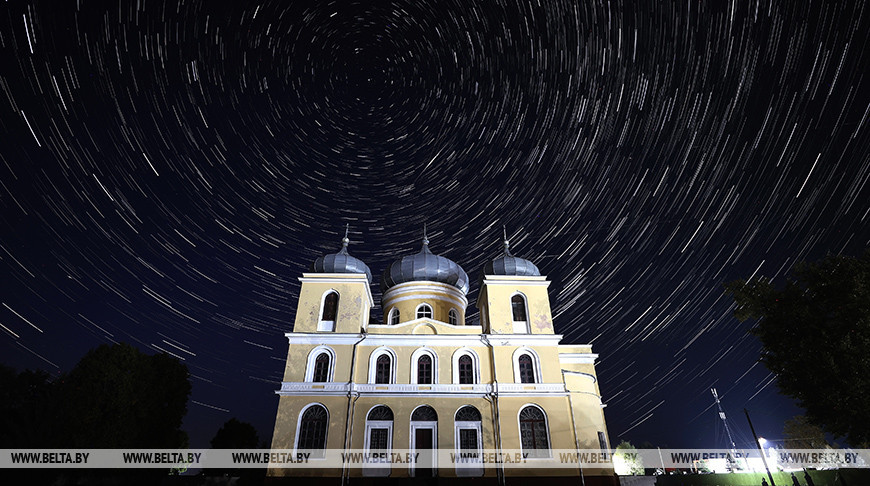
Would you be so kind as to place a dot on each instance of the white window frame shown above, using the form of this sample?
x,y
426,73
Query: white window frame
x,y
415,356
374,468
536,364
455,315
520,327
475,364
417,311
373,362
469,424
328,326
394,312
312,357
546,429
299,429
413,440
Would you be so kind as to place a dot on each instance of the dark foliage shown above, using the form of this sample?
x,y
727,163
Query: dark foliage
x,y
235,435
816,334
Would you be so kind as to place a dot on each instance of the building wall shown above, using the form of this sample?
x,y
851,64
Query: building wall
x,y
565,389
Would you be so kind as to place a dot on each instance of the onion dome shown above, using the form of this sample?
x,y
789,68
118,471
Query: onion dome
x,y
341,262
508,264
425,266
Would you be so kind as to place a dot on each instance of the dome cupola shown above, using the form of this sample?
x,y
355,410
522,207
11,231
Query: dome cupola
x,y
508,264
341,262
425,266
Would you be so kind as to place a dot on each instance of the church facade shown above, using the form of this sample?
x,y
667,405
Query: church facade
x,y
425,381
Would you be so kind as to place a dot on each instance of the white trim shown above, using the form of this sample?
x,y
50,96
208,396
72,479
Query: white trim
x,y
415,356
577,358
439,297
455,313
413,439
373,359
299,428
478,427
475,339
530,388
520,327
328,326
590,376
475,364
516,280
312,356
546,429
377,469
431,312
393,312
412,290
536,364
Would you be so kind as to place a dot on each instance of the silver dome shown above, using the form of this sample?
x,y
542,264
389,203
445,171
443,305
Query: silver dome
x,y
425,266
508,264
341,262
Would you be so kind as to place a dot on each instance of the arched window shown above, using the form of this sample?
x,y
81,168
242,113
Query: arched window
x,y
424,370
424,414
321,368
467,439
394,316
526,368
453,317
378,439
466,370
424,311
518,308
520,314
328,312
533,432
380,426
424,441
383,369
312,430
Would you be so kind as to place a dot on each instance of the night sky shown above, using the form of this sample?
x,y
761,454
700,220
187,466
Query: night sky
x,y
170,169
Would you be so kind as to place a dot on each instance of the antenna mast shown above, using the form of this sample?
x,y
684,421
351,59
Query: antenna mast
x,y
724,420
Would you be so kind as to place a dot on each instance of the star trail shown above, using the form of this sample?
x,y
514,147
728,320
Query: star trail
x,y
168,169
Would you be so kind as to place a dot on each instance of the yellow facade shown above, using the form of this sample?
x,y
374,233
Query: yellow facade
x,y
349,369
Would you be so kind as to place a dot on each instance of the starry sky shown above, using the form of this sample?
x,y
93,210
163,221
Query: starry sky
x,y
168,169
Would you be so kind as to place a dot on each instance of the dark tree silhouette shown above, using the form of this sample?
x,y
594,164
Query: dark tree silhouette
x,y
816,333
235,435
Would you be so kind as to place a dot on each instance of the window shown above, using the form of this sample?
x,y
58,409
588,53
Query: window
x,y
379,432
394,316
466,370
602,441
383,369
533,432
527,369
424,370
453,317
424,414
467,439
321,368
424,311
312,430
328,312
518,308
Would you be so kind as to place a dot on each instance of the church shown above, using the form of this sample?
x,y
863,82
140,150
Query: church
x,y
427,382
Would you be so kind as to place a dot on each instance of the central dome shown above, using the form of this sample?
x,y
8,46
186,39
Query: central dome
x,y
425,266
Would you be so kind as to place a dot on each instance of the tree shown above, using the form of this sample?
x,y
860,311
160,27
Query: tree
x,y
815,334
626,460
800,434
235,435
119,397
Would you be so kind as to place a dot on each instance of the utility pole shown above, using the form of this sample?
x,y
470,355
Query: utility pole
x,y
763,458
